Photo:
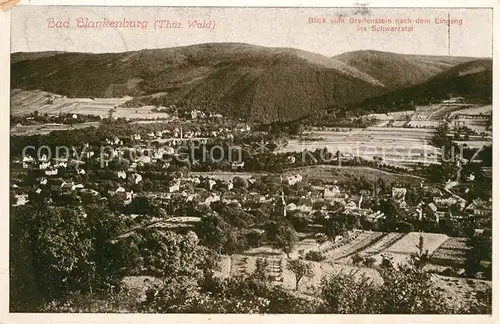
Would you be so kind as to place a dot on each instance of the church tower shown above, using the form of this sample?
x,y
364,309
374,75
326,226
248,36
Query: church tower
x,y
280,209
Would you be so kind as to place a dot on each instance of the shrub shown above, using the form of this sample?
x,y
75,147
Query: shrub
x,y
315,256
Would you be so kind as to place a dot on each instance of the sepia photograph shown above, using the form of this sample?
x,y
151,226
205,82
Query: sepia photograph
x,y
250,160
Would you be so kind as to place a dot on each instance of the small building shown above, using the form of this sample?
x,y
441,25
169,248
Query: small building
x,y
137,178
44,165
122,175
210,198
399,194
479,208
210,184
236,165
331,192
21,200
174,187
52,172
293,179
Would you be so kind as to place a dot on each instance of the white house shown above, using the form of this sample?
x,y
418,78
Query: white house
x,y
331,192
75,187
137,178
236,165
53,172
27,161
174,187
211,184
399,194
44,165
293,179
21,200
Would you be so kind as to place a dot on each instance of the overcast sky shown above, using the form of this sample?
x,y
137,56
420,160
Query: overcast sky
x,y
260,26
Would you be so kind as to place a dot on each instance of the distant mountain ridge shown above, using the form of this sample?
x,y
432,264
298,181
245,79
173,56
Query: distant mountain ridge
x,y
397,71
241,80
471,80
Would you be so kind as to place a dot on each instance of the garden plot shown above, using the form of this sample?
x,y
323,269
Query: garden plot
x,y
383,243
245,264
304,246
322,269
400,251
349,246
452,252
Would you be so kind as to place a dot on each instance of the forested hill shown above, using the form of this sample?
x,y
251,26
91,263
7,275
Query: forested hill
x,y
239,80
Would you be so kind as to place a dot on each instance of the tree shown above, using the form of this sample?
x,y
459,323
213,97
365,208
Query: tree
x,y
300,269
105,226
480,249
213,231
345,294
408,290
386,262
321,238
142,206
239,182
369,261
282,236
260,272
356,259
64,253
389,208
420,258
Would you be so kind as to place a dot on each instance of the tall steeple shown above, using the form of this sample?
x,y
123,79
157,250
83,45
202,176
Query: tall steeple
x,y
281,205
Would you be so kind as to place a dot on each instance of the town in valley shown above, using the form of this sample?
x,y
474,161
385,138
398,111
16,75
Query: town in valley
x,y
196,180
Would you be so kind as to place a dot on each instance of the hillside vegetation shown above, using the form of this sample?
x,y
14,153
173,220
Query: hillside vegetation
x,y
238,80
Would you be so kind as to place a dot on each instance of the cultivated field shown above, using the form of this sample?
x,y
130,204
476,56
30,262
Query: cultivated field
x,y
395,145
400,251
245,264
480,126
26,102
322,269
450,253
344,250
43,129
473,111
397,246
331,173
225,176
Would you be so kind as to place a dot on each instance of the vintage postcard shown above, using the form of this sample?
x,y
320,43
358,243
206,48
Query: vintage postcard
x,y
249,160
